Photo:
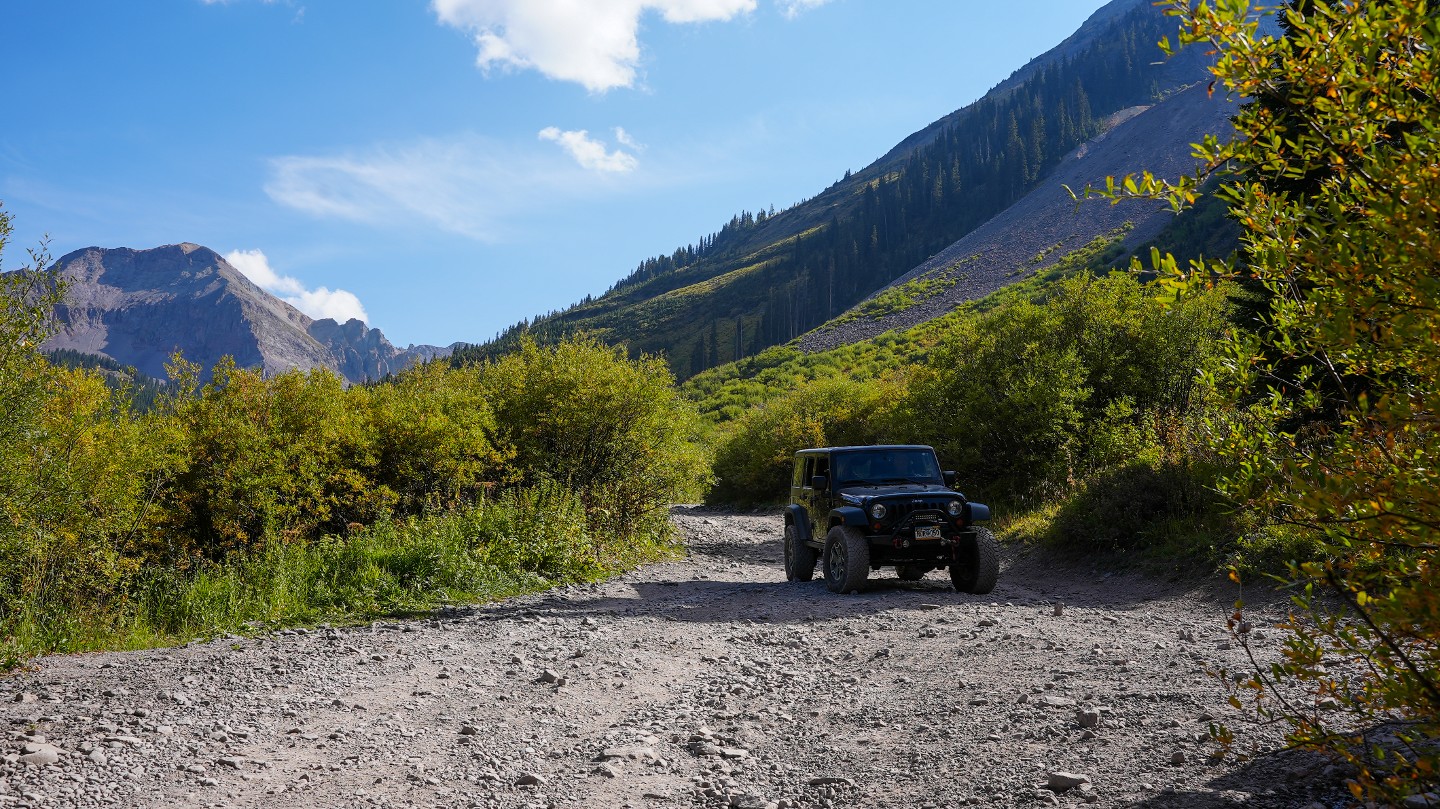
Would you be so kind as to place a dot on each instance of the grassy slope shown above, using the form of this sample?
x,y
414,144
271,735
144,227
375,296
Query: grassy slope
x,y
723,393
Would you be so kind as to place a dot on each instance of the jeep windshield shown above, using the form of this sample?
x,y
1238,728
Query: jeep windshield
x,y
886,467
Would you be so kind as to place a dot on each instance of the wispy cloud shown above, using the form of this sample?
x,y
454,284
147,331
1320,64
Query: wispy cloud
x,y
590,153
794,8
594,43
317,303
468,185
623,138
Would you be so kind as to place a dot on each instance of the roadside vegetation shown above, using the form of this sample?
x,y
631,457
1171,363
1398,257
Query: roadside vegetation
x,y
1074,404
1071,400
244,500
1334,392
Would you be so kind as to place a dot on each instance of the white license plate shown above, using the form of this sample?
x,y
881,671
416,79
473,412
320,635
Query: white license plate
x,y
927,532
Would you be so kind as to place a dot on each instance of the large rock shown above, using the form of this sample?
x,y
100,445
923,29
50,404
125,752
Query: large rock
x,y
41,757
1062,781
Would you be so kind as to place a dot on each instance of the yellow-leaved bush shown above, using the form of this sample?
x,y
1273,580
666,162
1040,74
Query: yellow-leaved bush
x,y
1336,389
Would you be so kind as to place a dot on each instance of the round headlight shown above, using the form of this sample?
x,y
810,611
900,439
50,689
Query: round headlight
x,y
877,511
954,507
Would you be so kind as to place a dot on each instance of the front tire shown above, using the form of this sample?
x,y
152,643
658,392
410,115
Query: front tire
x,y
847,559
799,557
977,564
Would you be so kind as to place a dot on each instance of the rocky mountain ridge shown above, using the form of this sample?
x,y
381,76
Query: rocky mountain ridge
x,y
138,307
1047,225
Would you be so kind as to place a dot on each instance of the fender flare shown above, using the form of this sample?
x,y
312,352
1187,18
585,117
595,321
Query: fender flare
x,y
976,512
795,515
849,515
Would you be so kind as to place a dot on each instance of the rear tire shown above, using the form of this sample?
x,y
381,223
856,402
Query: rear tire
x,y
977,564
847,559
799,557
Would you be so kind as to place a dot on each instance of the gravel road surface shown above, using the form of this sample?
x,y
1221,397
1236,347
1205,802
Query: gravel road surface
x,y
706,682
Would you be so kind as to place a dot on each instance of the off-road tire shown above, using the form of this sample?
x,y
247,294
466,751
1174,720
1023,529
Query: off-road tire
x,y
977,564
847,559
799,557
911,572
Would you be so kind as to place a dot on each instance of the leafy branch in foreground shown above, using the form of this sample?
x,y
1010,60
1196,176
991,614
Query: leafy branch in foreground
x,y
1336,183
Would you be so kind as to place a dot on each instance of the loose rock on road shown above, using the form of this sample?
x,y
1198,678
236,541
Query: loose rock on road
x,y
707,682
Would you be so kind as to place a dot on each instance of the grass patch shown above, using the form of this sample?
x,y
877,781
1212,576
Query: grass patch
x,y
1156,516
522,542
899,298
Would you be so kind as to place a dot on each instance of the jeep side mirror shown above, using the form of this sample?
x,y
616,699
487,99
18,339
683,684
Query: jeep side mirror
x,y
949,477
819,482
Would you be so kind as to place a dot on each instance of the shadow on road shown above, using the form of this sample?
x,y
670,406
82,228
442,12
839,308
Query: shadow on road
x,y
1029,577
728,601
1286,779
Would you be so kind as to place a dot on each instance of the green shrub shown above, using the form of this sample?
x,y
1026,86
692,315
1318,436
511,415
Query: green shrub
x,y
753,463
431,437
522,541
1029,397
1002,400
612,429
394,567
1337,380
1165,509
267,458
74,463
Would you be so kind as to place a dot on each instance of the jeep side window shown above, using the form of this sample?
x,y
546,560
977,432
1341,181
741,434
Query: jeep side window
x,y
822,467
809,474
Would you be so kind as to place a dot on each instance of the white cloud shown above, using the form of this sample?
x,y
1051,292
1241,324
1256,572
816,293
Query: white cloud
x,y
339,305
256,267
465,184
590,153
794,8
592,42
317,303
623,138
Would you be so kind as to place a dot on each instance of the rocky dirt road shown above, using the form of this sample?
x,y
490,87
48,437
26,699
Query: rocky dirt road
x,y
707,682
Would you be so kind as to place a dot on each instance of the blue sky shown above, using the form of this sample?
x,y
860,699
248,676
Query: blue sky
x,y
447,168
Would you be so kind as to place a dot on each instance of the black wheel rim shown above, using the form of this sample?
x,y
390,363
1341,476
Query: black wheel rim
x,y
836,568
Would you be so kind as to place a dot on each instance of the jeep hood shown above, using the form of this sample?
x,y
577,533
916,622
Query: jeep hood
x,y
857,493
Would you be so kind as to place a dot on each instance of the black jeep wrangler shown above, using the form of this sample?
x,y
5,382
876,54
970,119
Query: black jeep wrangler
x,y
859,508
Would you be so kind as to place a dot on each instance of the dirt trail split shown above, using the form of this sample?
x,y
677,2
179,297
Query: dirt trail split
x,y
706,682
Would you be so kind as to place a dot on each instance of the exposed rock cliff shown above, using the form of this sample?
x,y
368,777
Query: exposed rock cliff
x,y
140,306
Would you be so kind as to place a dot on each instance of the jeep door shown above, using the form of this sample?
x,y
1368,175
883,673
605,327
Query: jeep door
x,y
815,501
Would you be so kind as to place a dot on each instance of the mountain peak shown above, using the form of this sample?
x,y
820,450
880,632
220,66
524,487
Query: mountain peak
x,y
138,307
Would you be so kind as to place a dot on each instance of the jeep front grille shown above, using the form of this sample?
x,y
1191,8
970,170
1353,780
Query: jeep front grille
x,y
902,510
